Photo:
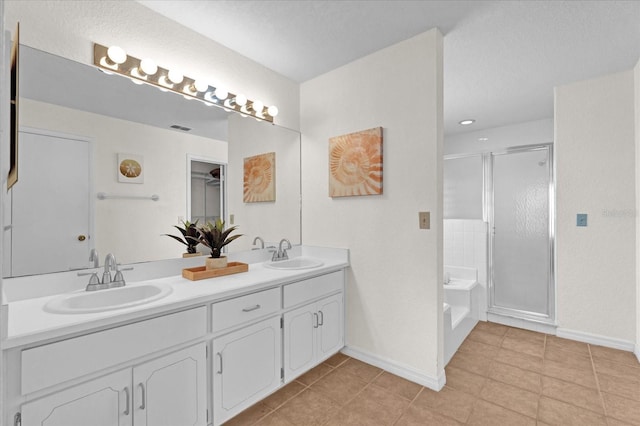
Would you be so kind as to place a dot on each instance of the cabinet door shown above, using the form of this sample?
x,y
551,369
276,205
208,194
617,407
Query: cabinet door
x,y
101,402
299,341
246,367
331,326
172,390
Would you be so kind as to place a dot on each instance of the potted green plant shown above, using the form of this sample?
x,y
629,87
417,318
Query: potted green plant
x,y
214,236
189,231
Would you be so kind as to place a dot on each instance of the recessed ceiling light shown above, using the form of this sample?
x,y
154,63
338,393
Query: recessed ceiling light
x,y
483,139
467,122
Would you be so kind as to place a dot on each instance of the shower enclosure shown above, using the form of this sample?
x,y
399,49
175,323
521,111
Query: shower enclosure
x,y
521,236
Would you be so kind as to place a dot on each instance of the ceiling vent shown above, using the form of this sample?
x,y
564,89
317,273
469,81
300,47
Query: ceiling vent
x,y
177,127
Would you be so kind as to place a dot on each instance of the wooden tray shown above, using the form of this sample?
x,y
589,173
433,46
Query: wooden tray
x,y
201,272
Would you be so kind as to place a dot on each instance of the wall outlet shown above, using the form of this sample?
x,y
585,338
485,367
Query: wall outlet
x,y
425,220
232,219
581,219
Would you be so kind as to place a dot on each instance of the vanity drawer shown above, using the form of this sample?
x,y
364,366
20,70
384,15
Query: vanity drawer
x,y
245,308
313,288
58,362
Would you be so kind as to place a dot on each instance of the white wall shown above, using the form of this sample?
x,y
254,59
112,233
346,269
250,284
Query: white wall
x,y
636,73
394,291
69,29
499,138
595,162
165,153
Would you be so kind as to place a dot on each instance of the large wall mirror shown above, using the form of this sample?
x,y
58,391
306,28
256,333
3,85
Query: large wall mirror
x,y
78,124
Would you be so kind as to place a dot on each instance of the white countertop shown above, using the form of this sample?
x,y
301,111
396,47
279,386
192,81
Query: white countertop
x,y
28,323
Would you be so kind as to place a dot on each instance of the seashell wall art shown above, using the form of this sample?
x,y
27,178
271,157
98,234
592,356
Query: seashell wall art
x,y
260,178
355,164
130,168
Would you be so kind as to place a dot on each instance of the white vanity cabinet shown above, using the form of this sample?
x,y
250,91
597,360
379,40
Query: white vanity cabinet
x,y
171,390
315,330
246,367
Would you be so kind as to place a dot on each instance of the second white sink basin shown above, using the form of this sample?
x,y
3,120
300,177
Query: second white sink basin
x,y
295,263
83,302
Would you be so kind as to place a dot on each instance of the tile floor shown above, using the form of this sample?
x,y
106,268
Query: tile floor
x,y
500,376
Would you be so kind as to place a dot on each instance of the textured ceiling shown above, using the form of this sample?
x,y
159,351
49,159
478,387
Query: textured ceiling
x,y
501,58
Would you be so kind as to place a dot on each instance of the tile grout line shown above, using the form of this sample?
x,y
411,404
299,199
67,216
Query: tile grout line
x,y
540,391
595,375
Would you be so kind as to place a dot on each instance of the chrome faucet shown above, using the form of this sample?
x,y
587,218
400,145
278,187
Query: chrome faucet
x,y
281,254
255,240
94,257
109,263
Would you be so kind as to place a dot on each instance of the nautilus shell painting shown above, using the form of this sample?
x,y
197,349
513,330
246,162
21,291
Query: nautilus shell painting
x,y
260,178
355,164
130,168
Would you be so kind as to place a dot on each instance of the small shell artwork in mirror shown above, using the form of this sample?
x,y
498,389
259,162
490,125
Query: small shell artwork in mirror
x,y
260,178
355,164
130,168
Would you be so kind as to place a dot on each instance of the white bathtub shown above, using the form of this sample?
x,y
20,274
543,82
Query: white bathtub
x,y
460,308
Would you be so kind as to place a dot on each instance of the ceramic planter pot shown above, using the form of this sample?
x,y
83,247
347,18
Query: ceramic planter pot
x,y
216,263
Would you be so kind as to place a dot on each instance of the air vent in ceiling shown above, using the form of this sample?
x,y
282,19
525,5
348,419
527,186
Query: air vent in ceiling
x,y
177,127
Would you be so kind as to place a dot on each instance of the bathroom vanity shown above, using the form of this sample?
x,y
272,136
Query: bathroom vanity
x,y
199,355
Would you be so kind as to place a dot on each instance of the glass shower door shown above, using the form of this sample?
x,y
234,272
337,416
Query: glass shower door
x,y
521,240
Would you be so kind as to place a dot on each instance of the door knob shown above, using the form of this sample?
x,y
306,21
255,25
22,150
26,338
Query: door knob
x,y
81,238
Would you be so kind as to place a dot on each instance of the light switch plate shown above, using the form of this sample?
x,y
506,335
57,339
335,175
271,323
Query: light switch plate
x,y
581,219
425,220
232,219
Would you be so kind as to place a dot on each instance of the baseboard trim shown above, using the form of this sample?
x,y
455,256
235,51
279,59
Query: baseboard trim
x,y
404,371
596,339
637,351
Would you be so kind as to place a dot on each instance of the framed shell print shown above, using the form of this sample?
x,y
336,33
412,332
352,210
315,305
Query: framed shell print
x,y
355,164
260,178
130,168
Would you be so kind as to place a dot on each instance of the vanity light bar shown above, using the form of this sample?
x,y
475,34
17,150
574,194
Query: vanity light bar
x,y
115,60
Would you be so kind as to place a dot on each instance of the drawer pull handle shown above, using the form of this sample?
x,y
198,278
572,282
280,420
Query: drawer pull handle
x,y
126,393
220,356
143,397
252,308
321,315
315,320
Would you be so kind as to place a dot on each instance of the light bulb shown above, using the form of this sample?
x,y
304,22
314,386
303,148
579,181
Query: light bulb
x,y
148,66
138,82
221,93
258,106
200,85
116,55
272,110
241,100
175,76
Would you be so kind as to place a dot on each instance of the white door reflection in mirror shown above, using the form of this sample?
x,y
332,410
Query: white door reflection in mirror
x,y
206,197
47,191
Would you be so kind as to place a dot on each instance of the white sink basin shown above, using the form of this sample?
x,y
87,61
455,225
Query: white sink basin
x,y
295,263
83,302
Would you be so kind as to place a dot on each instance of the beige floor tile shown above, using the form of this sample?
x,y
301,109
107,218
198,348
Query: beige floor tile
x,y
559,371
492,327
349,417
340,386
474,363
485,337
571,393
274,419
528,335
475,347
250,415
616,355
619,386
309,408
524,379
570,359
528,347
337,359
511,397
314,374
397,385
615,422
568,345
283,395
420,416
520,360
448,402
361,370
464,381
623,409
617,369
378,405
487,414
560,413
